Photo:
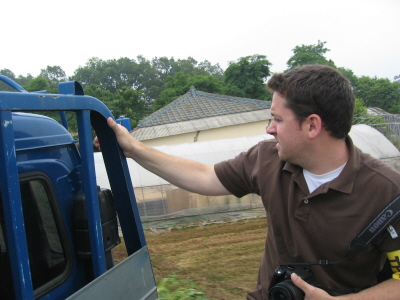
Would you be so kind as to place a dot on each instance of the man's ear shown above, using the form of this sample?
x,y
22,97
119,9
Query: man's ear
x,y
314,126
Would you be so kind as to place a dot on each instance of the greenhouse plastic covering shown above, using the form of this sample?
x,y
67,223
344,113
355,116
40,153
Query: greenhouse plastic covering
x,y
163,204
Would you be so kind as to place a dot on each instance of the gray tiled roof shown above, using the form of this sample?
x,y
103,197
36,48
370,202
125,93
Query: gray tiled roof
x,y
175,128
196,105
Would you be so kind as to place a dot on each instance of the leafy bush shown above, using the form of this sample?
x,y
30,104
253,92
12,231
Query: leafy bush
x,y
173,289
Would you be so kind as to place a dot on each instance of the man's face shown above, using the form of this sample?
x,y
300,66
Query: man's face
x,y
290,135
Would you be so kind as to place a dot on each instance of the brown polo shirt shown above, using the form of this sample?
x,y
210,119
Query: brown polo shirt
x,y
304,227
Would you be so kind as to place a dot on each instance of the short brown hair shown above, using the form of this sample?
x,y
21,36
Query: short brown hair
x,y
317,89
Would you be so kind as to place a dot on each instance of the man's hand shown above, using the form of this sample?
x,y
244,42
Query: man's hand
x,y
387,290
125,140
311,292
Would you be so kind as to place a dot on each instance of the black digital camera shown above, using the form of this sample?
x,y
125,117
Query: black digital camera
x,y
281,286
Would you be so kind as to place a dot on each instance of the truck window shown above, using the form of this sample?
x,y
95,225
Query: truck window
x,y
6,285
46,245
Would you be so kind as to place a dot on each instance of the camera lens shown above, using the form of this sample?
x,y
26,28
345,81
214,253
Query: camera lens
x,y
286,290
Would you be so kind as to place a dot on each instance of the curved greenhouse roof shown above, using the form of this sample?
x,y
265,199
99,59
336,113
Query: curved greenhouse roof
x,y
366,138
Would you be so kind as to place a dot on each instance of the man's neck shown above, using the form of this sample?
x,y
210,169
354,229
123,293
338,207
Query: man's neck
x,y
327,156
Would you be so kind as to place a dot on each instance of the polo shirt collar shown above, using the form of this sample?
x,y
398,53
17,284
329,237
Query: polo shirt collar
x,y
297,176
345,181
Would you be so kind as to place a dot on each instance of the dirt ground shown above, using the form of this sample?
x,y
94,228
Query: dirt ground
x,y
222,259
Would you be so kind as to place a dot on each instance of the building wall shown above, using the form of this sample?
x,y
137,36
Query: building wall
x,y
227,132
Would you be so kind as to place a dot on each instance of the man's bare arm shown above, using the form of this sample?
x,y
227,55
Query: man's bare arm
x,y
186,174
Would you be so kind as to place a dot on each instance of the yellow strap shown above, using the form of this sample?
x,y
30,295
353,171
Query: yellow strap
x,y
394,259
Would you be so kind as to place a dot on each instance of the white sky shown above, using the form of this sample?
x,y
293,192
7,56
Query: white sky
x,y
363,35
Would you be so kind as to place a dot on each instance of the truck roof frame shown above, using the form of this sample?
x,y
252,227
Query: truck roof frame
x,y
91,113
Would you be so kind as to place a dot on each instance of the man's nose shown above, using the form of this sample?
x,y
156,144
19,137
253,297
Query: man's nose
x,y
271,128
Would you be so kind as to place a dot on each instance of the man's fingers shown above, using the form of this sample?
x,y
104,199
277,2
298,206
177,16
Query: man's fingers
x,y
111,122
310,291
299,282
114,125
96,143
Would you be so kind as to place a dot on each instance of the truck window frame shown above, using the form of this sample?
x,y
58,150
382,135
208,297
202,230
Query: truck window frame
x,y
50,251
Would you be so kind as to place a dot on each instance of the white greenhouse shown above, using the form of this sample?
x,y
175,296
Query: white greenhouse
x,y
160,201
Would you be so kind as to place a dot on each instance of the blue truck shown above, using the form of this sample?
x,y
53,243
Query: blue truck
x,y
57,227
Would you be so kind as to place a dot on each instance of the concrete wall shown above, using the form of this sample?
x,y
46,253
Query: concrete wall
x,y
227,132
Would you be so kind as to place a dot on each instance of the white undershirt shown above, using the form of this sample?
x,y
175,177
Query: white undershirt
x,y
315,181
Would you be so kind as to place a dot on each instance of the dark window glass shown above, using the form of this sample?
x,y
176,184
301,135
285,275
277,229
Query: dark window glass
x,y
6,284
47,256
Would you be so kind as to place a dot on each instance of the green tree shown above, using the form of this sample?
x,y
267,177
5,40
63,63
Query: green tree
x,y
8,73
141,74
233,90
309,54
191,66
359,109
349,74
213,70
110,75
187,66
130,103
180,84
168,68
40,84
37,84
176,86
247,76
96,91
24,80
125,102
53,74
379,92
21,80
361,116
149,80
164,66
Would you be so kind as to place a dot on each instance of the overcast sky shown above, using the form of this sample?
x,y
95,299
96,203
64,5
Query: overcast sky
x,y
362,35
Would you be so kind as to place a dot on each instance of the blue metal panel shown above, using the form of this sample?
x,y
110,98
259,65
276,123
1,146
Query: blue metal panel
x,y
42,132
124,121
55,102
126,281
90,188
118,175
12,206
70,88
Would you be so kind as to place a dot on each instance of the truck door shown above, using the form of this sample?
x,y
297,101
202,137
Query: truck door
x,y
49,254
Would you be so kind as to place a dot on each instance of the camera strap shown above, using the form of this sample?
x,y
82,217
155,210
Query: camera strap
x,y
383,220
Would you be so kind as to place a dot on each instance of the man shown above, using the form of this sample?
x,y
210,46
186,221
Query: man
x,y
318,190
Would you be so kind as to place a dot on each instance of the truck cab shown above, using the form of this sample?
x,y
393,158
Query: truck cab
x,y
57,226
